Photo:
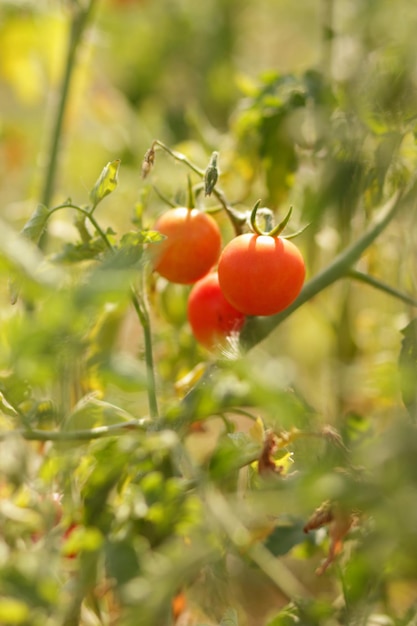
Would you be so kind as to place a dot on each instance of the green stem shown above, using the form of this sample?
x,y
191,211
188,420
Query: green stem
x,y
178,156
139,306
257,328
142,313
89,216
237,219
78,25
163,197
77,435
378,284
241,538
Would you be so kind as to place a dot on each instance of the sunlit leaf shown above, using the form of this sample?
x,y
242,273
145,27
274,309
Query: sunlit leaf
x,y
36,224
74,253
106,183
130,249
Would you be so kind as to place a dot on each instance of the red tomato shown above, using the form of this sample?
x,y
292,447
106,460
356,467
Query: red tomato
x,y
191,248
210,315
260,274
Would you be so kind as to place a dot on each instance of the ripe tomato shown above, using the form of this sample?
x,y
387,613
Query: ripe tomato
x,y
261,274
191,248
210,315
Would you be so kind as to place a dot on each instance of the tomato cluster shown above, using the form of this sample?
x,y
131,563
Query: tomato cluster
x,y
257,273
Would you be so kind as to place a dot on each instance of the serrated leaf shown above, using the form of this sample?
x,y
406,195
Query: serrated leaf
x,y
106,182
150,236
74,253
36,224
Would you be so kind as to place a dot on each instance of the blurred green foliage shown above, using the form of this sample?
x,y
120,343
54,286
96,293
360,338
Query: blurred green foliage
x,y
110,514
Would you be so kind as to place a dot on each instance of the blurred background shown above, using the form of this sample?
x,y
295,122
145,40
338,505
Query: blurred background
x,y
310,104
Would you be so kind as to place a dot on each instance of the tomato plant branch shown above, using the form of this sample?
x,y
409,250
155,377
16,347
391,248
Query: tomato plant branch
x,y
257,328
142,313
237,219
79,22
241,538
138,304
77,435
178,156
87,213
378,284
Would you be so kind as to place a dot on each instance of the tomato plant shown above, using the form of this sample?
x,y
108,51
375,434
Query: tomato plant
x,y
261,273
185,480
191,247
212,318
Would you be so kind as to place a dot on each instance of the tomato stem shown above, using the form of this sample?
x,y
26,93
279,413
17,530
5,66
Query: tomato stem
x,y
190,194
78,25
237,218
163,197
139,304
256,329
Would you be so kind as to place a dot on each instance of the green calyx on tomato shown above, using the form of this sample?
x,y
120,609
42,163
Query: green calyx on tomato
x,y
261,273
211,317
191,246
273,232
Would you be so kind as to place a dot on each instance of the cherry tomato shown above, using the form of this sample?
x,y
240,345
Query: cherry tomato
x,y
261,274
191,248
210,315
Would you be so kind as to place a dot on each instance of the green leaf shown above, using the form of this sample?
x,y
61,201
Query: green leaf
x,y
287,617
83,251
149,236
130,250
122,562
232,452
106,183
285,536
36,224
91,412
